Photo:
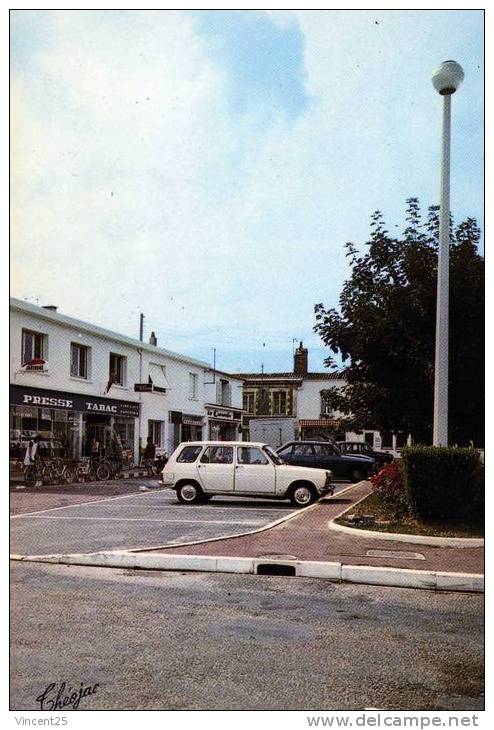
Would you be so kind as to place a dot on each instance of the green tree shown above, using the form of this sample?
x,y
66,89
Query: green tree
x,y
384,330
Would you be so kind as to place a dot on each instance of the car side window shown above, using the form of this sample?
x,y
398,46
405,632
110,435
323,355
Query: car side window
x,y
322,450
251,455
286,451
189,454
218,455
302,450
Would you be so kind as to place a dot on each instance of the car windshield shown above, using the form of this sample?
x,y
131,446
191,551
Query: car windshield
x,y
273,455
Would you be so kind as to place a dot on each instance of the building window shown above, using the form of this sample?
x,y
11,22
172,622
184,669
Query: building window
x,y
401,439
279,402
155,432
193,390
117,368
326,409
223,393
79,360
249,402
33,346
369,438
387,439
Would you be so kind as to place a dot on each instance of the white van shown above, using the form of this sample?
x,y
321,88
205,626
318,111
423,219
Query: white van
x,y
197,470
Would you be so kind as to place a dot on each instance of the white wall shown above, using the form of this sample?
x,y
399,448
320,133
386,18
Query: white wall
x,y
236,386
58,376
154,406
309,397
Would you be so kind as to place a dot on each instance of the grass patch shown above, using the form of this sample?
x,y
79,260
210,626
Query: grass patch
x,y
386,521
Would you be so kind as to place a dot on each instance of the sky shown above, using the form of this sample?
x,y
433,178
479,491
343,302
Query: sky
x,y
207,167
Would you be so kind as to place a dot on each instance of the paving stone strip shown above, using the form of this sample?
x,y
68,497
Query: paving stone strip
x,y
307,537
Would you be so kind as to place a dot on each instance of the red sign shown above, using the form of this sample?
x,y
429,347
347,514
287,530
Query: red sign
x,y
143,387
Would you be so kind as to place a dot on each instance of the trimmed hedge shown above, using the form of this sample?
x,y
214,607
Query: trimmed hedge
x,y
444,483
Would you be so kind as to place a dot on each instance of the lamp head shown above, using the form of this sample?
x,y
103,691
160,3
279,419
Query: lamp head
x,y
447,78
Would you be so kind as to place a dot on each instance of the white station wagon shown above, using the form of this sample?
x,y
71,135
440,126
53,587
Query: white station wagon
x,y
200,469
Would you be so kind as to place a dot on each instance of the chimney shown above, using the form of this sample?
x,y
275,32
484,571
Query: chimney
x,y
300,360
50,307
153,340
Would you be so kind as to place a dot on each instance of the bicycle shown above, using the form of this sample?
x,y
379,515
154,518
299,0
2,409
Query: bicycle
x,y
42,472
106,468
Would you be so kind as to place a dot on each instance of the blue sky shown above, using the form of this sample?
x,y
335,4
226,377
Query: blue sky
x,y
207,167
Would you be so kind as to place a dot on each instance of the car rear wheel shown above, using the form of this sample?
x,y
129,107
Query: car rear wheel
x,y
356,475
190,494
302,495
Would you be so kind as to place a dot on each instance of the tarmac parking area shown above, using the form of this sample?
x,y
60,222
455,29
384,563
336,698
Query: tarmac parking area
x,y
136,520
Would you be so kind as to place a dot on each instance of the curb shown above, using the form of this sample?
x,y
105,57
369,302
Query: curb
x,y
335,572
457,542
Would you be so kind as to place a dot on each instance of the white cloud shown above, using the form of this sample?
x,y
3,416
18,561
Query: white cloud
x,y
136,189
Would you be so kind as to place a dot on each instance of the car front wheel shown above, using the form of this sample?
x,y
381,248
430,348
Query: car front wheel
x,y
302,495
189,494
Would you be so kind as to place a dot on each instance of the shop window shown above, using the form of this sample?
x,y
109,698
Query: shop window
x,y
193,386
34,346
79,361
118,367
59,431
155,432
279,402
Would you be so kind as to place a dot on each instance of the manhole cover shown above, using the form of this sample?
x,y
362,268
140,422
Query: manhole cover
x,y
398,554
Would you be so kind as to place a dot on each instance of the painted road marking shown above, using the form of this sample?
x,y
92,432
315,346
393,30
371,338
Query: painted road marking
x,y
395,554
80,504
144,519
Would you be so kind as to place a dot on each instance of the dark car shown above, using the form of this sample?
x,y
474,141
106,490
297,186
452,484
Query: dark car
x,y
360,448
324,455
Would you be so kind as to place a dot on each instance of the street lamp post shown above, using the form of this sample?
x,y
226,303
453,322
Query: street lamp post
x,y
446,80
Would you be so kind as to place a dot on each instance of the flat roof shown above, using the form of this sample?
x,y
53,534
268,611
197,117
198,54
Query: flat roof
x,y
56,317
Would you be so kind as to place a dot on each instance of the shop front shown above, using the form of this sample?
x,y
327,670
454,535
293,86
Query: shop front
x,y
70,424
224,424
321,429
184,427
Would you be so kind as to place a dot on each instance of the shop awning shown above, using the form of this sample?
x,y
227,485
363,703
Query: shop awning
x,y
318,423
157,377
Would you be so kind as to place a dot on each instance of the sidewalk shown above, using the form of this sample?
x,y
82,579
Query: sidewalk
x,y
306,537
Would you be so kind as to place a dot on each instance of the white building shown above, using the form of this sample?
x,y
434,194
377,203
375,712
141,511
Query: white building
x,y
223,395
284,406
72,382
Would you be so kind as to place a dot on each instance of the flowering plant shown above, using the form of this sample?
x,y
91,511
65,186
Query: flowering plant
x,y
390,485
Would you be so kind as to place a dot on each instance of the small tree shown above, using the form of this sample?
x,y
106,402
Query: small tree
x,y
384,330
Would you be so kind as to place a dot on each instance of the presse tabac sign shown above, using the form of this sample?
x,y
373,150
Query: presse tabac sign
x,y
20,396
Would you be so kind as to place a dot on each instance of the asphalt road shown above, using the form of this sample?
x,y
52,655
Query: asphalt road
x,y
229,642
129,521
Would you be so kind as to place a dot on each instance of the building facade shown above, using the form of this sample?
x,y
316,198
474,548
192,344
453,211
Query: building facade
x,y
223,394
73,383
281,407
